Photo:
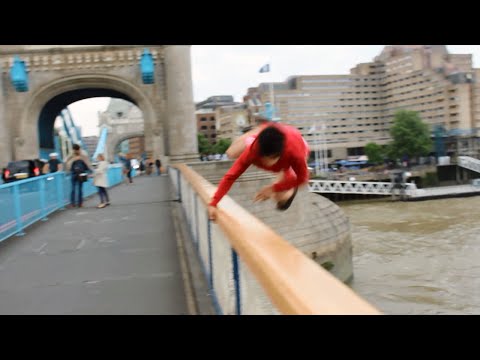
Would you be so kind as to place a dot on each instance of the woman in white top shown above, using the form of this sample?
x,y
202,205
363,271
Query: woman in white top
x,y
100,180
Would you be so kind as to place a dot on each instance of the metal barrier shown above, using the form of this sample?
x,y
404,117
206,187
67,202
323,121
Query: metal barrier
x,y
469,163
251,269
360,187
25,202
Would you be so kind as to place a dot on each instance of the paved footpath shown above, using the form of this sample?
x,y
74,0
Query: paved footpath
x,y
118,260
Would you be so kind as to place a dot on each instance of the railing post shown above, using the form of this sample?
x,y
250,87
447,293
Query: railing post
x,y
179,183
59,179
210,260
18,210
43,201
236,281
197,235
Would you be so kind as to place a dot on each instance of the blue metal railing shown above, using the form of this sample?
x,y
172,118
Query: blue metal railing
x,y
102,141
25,202
71,129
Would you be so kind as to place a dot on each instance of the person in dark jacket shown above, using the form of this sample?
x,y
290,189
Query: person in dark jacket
x,y
158,165
79,166
127,167
53,164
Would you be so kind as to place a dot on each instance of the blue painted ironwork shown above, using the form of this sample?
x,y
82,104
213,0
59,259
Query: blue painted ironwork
x,y
102,141
25,202
60,193
73,132
147,67
43,199
236,280
18,210
462,132
210,260
19,75
58,147
440,133
270,112
50,139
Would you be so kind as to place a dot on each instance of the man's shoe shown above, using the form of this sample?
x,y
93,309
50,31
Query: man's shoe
x,y
284,205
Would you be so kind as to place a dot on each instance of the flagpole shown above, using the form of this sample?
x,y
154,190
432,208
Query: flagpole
x,y
272,95
320,146
323,145
315,150
325,148
264,69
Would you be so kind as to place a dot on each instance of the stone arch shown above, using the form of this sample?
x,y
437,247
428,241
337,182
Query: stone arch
x,y
116,140
27,143
55,105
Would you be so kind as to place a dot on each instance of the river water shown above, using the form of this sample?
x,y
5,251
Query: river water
x,y
417,257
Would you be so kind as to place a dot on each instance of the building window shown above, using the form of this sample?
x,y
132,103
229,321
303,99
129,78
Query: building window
x,y
213,136
212,119
212,127
355,151
119,114
203,119
204,128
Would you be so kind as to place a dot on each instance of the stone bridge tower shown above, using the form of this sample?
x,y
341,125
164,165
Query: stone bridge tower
x,y
59,75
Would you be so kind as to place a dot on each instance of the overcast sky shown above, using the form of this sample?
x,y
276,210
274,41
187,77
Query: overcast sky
x,y
232,69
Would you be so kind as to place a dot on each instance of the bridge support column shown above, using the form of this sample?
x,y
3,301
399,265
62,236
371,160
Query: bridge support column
x,y
182,127
5,134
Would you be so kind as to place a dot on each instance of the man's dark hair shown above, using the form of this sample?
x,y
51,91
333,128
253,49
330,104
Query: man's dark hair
x,y
271,142
76,147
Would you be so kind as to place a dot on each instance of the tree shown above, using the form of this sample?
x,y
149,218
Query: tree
x,y
411,136
374,153
222,145
204,146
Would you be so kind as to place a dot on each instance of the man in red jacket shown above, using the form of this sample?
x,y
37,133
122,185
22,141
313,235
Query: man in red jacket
x,y
273,147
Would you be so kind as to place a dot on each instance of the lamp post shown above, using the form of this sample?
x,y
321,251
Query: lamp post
x,y
323,145
317,151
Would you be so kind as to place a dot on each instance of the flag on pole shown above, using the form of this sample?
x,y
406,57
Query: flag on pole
x,y
265,68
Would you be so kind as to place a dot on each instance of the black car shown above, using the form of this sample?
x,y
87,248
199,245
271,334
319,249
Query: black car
x,y
22,169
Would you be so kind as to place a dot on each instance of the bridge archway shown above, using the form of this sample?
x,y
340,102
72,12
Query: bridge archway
x,y
115,141
50,111
41,110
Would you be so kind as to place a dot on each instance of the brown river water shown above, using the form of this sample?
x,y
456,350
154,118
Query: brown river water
x,y
417,257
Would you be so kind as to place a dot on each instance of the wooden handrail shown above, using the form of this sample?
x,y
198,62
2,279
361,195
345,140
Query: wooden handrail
x,y
295,284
